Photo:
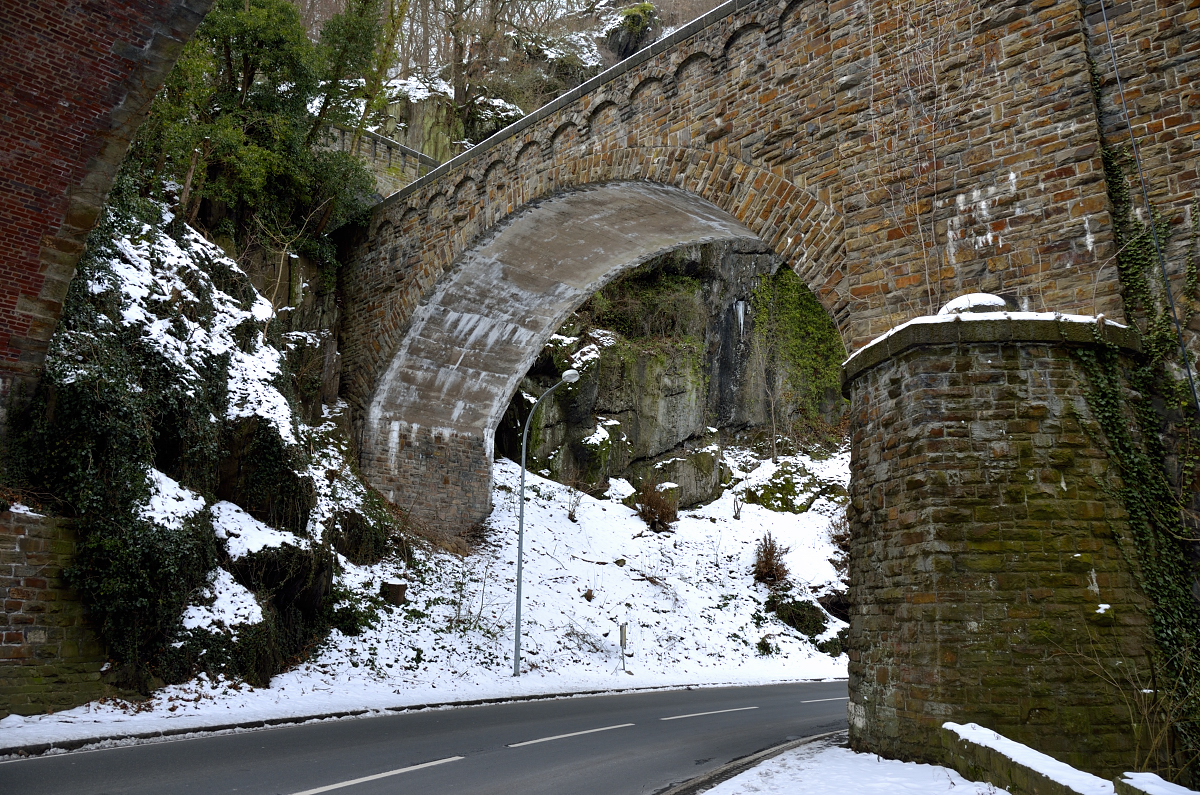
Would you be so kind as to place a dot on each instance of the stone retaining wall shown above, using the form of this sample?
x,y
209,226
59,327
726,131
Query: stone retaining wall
x,y
990,567
49,658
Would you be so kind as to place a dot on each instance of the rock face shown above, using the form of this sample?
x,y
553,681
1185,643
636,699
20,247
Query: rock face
x,y
658,396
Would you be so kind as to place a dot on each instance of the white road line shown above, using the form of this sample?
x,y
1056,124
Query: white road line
x,y
559,737
714,712
377,776
818,700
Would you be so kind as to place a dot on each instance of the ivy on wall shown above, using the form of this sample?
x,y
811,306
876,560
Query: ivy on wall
x,y
1151,433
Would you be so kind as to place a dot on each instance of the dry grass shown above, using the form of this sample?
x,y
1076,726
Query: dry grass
x,y
769,568
656,507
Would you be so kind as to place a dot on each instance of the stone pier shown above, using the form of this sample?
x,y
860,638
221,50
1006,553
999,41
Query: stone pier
x,y
990,568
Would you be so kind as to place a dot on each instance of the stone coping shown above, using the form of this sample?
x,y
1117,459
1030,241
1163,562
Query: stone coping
x,y
1019,331
408,151
641,56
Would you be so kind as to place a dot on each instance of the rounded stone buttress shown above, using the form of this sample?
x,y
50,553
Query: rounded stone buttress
x,y
990,574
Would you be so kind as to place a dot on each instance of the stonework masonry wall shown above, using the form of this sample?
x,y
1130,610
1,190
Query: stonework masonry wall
x,y
393,164
49,658
438,475
991,572
1156,44
78,81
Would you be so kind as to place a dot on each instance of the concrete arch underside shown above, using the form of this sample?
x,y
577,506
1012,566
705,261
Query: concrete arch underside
x,y
429,427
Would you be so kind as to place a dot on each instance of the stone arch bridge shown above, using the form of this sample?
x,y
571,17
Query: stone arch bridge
x,y
893,154
759,119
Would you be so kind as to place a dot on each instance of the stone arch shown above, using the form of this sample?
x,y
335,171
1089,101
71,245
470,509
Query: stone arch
x,y
442,383
565,136
644,86
465,189
604,123
528,168
694,65
740,38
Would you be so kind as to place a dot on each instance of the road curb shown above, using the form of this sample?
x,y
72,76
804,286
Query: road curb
x,y
37,749
731,769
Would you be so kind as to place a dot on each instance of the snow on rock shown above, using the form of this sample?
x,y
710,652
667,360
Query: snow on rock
x,y
243,534
971,302
585,356
603,338
152,272
1048,766
619,489
820,770
222,604
598,436
170,504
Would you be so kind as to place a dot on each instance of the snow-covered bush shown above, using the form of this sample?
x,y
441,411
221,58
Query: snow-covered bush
x,y
166,424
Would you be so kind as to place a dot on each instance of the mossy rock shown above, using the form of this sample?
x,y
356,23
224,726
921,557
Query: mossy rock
x,y
792,489
258,472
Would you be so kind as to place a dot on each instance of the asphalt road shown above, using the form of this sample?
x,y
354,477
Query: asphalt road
x,y
629,743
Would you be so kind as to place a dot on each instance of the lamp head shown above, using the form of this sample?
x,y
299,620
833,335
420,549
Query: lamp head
x,y
570,376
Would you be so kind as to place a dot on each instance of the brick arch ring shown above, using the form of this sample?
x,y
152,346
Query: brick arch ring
x,y
434,391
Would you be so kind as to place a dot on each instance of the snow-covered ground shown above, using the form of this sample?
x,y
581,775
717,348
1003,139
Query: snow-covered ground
x,y
819,769
694,615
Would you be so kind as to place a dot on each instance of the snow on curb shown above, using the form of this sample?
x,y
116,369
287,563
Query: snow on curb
x,y
818,769
1148,784
1008,763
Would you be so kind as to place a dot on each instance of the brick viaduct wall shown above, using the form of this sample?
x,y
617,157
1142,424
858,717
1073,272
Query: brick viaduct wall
x,y
985,545
78,80
49,657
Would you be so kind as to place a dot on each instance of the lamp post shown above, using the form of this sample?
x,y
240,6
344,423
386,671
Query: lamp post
x,y
568,377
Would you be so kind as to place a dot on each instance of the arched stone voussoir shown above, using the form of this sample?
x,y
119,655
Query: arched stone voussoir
x,y
429,425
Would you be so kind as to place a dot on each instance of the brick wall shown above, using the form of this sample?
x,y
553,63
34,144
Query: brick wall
x,y
78,80
984,543
49,658
1156,44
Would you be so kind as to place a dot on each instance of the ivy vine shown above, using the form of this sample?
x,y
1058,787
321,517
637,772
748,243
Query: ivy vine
x,y
1142,434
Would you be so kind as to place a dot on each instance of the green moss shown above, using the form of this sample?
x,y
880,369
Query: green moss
x,y
638,18
791,489
797,344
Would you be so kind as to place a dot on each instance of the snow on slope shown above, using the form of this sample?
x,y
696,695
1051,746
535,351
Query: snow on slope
x,y
694,615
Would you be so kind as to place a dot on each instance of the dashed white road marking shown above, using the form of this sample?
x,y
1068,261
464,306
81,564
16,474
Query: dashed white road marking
x,y
818,700
377,776
561,736
714,712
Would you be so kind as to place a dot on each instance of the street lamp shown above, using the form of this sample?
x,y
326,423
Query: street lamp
x,y
569,377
